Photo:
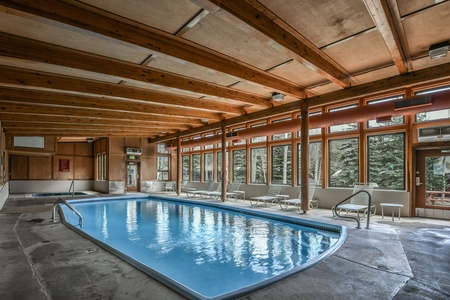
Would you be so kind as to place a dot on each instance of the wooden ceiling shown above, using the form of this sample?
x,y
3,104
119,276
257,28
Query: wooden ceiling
x,y
151,68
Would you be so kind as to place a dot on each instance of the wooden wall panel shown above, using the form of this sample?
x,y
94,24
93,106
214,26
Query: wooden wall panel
x,y
19,167
83,167
65,149
60,175
40,167
117,166
116,145
84,149
148,168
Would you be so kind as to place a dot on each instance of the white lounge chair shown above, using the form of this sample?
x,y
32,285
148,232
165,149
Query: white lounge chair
x,y
169,186
284,204
358,203
198,193
271,196
231,190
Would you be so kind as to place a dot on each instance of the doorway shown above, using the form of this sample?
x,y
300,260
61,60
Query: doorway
x,y
133,181
432,179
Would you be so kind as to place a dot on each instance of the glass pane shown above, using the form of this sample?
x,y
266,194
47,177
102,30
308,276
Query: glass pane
x,y
343,127
387,161
281,164
239,165
163,168
433,115
315,162
219,165
162,148
258,168
208,166
281,136
258,139
196,167
105,165
239,142
343,162
437,180
185,168
393,121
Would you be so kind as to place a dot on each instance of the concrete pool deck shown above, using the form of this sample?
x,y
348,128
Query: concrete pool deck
x,y
401,259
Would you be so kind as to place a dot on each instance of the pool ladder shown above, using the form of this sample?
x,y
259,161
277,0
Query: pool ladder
x,y
355,218
72,187
69,206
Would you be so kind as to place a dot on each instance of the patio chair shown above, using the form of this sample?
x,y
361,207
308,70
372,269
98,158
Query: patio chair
x,y
358,203
298,201
198,193
271,196
231,190
169,186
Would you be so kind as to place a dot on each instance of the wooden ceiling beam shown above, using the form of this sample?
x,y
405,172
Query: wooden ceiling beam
x,y
75,133
384,20
24,118
383,85
89,18
87,128
262,19
191,106
18,47
71,100
29,109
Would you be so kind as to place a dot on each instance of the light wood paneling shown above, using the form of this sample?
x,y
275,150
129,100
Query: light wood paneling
x,y
83,167
58,175
19,167
40,167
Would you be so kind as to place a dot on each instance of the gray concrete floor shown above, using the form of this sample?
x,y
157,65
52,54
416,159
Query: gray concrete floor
x,y
401,259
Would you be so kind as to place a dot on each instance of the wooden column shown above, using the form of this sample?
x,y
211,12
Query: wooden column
x,y
179,166
304,153
224,162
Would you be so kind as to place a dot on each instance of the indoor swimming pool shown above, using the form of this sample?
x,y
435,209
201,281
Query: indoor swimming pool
x,y
204,251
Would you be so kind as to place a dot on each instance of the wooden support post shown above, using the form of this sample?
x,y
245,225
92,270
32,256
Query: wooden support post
x,y
304,153
224,163
179,166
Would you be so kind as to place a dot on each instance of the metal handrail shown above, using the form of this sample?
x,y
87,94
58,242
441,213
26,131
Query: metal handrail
x,y
355,218
69,206
72,187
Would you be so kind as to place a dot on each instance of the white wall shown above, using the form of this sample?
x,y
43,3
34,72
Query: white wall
x,y
48,186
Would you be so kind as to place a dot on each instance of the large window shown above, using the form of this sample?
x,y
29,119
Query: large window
x,y
386,155
219,165
315,162
258,139
239,165
208,167
163,167
281,164
195,167
258,165
185,168
343,162
163,162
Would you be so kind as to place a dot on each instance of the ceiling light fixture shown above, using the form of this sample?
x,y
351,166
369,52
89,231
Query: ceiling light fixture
x,y
278,97
89,140
438,50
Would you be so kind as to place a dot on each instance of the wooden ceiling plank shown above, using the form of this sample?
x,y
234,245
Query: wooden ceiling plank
x,y
18,47
383,19
37,125
309,55
152,39
192,106
70,100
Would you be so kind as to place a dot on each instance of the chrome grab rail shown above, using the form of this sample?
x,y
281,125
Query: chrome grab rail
x,y
72,187
355,218
69,206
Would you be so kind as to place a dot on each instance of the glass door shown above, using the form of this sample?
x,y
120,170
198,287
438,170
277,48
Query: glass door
x,y
433,179
132,177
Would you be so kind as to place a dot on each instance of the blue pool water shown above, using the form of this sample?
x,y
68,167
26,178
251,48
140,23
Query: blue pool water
x,y
204,252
